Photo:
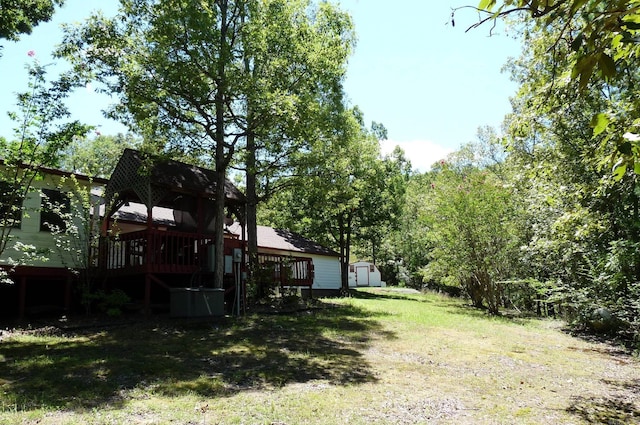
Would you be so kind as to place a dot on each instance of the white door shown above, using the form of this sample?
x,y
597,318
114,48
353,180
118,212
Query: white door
x,y
362,276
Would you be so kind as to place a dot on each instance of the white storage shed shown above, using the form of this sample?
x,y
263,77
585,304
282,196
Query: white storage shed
x,y
364,273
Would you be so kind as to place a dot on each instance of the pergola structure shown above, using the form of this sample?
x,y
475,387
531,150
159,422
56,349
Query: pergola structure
x,y
163,254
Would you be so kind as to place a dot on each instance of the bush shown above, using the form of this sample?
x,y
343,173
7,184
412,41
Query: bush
x,y
112,303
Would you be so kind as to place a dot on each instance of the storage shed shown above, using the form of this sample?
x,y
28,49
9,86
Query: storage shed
x,y
363,273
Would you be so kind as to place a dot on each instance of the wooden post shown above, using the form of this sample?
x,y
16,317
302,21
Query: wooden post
x,y
23,297
67,294
201,260
147,295
149,249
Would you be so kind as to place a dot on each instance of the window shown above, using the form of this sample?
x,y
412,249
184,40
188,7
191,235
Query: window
x,y
10,205
372,268
53,205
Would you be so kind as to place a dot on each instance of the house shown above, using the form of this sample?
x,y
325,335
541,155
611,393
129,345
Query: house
x,y
363,273
157,236
41,270
283,245
151,258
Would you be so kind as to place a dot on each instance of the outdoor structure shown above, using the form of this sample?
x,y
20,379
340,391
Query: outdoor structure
x,y
44,279
363,273
156,243
177,253
311,265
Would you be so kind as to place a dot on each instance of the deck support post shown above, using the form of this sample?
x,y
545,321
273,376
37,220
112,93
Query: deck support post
x,y
67,294
147,295
22,297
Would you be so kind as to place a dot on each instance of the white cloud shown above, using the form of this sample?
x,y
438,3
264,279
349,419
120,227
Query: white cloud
x,y
421,153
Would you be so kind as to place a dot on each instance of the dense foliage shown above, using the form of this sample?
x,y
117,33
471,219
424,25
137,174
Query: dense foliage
x,y
473,238
96,156
19,17
344,192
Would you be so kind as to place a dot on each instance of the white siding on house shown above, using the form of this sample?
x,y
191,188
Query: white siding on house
x,y
327,272
29,232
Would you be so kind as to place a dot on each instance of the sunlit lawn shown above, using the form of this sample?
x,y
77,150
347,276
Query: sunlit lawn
x,y
378,357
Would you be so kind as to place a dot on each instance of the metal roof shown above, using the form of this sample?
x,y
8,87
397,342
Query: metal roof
x,y
285,240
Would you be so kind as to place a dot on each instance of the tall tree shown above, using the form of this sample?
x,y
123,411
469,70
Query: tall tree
x,y
19,17
295,59
336,187
471,216
382,208
405,248
176,68
212,78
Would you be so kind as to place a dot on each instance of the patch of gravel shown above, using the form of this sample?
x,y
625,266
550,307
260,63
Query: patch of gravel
x,y
398,290
419,411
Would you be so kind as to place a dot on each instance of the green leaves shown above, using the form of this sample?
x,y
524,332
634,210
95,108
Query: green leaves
x,y
607,66
599,123
619,169
40,136
473,231
486,4
19,17
577,42
576,5
583,69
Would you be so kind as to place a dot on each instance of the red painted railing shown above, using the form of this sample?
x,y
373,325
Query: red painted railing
x,y
166,251
155,251
286,270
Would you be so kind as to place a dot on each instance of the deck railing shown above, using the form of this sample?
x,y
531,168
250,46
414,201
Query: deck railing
x,y
159,251
286,270
166,251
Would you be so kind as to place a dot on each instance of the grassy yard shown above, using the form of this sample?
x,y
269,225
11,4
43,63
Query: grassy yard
x,y
380,357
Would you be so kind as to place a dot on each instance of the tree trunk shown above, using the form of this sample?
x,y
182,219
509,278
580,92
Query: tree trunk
x,y
252,205
220,151
373,250
251,194
344,240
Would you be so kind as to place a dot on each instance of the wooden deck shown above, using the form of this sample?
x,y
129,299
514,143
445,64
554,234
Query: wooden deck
x,y
161,252
155,251
286,270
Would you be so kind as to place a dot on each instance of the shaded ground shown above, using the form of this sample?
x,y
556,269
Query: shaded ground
x,y
380,357
91,367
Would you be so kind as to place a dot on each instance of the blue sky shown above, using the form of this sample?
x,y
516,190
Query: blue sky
x,y
431,84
